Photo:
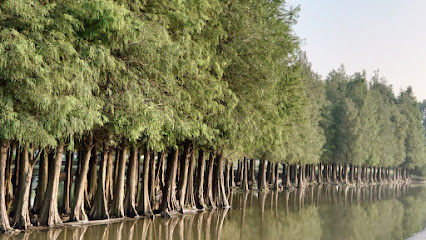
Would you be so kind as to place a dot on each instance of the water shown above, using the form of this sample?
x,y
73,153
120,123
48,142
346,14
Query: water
x,y
319,212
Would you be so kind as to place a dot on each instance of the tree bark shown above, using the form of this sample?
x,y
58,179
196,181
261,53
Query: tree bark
x,y
300,175
117,206
358,178
208,185
262,184
91,177
169,202
184,166
49,215
15,176
130,199
276,177
67,182
244,182
199,182
4,219
8,174
100,204
151,178
144,206
319,173
286,175
78,213
42,181
252,178
219,186
109,188
159,177
190,199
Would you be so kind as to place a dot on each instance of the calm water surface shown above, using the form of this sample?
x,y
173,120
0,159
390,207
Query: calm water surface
x,y
319,212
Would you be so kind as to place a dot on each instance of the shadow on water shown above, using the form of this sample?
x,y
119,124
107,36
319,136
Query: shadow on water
x,y
317,212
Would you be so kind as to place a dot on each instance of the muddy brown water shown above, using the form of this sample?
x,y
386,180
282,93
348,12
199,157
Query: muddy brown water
x,y
319,212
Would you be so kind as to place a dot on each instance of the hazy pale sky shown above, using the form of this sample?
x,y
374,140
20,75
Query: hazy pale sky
x,y
388,35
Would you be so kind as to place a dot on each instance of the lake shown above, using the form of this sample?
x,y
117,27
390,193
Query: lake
x,y
318,212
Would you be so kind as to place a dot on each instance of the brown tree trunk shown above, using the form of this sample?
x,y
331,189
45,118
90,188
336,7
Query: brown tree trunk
x,y
232,175
116,167
42,181
184,166
286,175
151,179
15,176
358,178
67,182
300,175
117,206
244,182
334,172
351,173
144,205
218,185
320,173
109,188
227,177
276,176
239,173
49,215
262,184
130,199
208,185
91,177
252,178
169,202
199,182
190,199
159,177
4,219
8,174
379,174
78,213
100,204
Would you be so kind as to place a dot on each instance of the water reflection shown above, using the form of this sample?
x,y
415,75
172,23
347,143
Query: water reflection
x,y
317,212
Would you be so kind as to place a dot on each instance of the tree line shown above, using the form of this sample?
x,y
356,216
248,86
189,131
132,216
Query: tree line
x,y
143,107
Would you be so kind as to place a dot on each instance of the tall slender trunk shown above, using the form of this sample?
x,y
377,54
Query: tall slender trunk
x,y
232,175
91,175
67,182
109,188
8,174
184,166
190,199
130,198
219,186
151,178
239,173
227,177
49,215
199,183
313,177
262,184
300,175
169,202
78,213
159,182
244,182
42,181
252,178
15,176
358,178
144,205
286,175
379,174
276,176
4,219
100,204
208,185
117,206
319,173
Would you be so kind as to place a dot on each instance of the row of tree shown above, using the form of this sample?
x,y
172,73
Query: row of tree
x,y
190,85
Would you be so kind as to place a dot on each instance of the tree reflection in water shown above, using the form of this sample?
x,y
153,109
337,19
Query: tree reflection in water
x,y
315,212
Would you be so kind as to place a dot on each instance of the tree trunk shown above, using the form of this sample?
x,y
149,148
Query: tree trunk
x,y
239,173
218,186
232,175
91,177
151,178
208,187
8,174
109,188
319,173
144,205
4,219
227,177
351,173
117,206
15,176
300,175
199,183
42,181
244,182
262,184
358,178
49,215
379,174
130,199
159,177
100,204
169,202
334,172
67,182
276,176
78,213
286,175
251,174
190,199
184,166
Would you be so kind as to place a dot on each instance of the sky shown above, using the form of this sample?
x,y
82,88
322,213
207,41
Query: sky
x,y
384,35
